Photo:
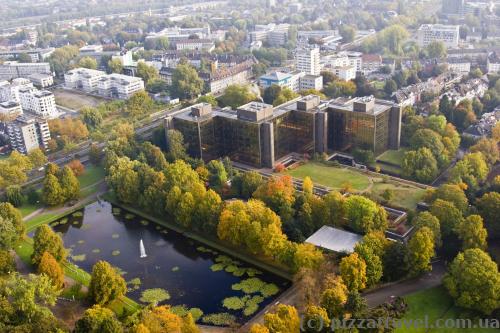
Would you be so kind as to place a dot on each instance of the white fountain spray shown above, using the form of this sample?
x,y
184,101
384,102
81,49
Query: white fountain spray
x,y
142,249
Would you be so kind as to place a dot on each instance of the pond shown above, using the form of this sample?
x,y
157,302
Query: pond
x,y
177,270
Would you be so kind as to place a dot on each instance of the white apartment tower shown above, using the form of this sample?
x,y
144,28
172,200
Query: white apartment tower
x,y
27,133
448,34
308,61
39,102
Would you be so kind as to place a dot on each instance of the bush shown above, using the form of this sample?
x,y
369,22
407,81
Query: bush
x,y
14,195
279,168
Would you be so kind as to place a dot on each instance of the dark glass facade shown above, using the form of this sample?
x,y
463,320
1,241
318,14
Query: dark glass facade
x,y
293,133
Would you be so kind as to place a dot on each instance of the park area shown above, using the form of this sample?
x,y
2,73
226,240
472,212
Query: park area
x,y
391,161
404,195
74,100
436,304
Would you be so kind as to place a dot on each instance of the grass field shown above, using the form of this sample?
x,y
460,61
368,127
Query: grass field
x,y
393,156
405,196
330,176
435,303
92,175
74,100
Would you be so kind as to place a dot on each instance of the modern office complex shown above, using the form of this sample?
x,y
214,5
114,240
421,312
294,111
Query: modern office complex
x,y
260,135
428,33
27,133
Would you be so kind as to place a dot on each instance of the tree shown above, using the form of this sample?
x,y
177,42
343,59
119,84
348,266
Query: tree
x,y
106,284
50,267
271,93
98,319
334,297
14,195
421,250
365,215
7,262
92,117
353,272
246,183
208,98
186,84
159,319
175,145
340,89
8,234
69,184
328,77
46,240
390,86
473,281
146,72
284,96
95,154
315,318
356,304
489,206
77,167
139,104
24,58
436,49
427,138
489,149
308,186
472,233
61,57
395,261
87,62
115,66
420,165
285,319
37,157
258,328
53,193
278,194
426,219
471,170
188,324
236,95
373,263
347,33
9,212
218,175
448,215
454,194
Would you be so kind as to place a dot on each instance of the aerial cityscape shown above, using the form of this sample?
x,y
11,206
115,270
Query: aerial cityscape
x,y
237,166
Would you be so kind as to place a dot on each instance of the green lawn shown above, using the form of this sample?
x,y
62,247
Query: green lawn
x,y
92,175
393,156
405,196
39,220
330,176
435,303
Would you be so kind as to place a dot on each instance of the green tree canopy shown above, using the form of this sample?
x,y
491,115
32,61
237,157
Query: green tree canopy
x,y
106,284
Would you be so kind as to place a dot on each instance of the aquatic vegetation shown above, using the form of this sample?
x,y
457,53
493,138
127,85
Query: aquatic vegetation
x,y
85,227
155,295
217,267
63,220
135,284
270,289
116,211
231,268
115,236
129,216
96,251
120,271
234,303
175,268
182,310
81,241
164,231
79,257
115,252
77,214
144,222
75,222
219,319
249,286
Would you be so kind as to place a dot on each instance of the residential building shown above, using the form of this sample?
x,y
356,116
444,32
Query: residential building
x,y
371,63
274,34
9,91
448,34
453,7
342,59
27,133
10,110
35,54
459,65
83,78
119,86
308,81
41,80
308,61
12,69
259,135
365,123
493,63
39,102
195,45
484,126
345,73
90,49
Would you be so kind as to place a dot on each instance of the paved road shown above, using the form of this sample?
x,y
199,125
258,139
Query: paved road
x,y
406,287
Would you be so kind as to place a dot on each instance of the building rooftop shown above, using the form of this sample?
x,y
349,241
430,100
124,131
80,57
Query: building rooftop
x,y
276,76
438,26
334,239
366,104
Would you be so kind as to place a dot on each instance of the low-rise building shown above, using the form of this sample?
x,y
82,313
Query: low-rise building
x,y
9,91
459,65
10,110
195,45
41,80
484,126
371,63
274,34
493,63
345,73
308,81
119,86
295,81
35,54
12,69
83,78
27,132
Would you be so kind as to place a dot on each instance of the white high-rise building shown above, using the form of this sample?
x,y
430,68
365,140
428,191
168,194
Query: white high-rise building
x,y
308,61
448,34
39,102
10,91
27,133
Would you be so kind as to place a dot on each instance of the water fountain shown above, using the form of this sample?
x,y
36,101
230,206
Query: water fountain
x,y
142,249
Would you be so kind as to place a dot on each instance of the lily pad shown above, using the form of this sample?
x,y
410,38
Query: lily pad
x,y
96,251
79,257
155,295
175,268
115,236
115,253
